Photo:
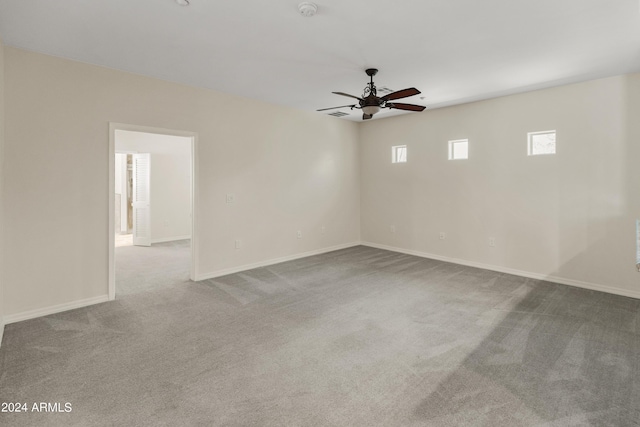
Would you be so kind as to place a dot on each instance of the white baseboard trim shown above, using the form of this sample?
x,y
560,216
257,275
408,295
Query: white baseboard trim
x,y
170,239
527,274
245,267
1,332
32,314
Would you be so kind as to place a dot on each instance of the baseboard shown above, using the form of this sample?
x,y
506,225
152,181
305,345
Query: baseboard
x,y
170,239
272,261
1,332
32,314
527,274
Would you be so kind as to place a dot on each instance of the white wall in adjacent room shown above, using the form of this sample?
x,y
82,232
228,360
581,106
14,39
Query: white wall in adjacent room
x,y
121,192
570,215
120,165
289,170
170,181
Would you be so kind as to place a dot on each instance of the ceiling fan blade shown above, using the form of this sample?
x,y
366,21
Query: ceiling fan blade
x,y
346,94
366,116
333,108
400,94
408,107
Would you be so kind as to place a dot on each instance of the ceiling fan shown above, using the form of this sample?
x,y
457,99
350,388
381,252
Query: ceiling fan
x,y
370,103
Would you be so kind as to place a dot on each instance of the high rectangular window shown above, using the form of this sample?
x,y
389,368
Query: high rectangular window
x,y
541,143
399,154
459,149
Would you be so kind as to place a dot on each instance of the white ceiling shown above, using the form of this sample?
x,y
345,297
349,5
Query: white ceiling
x,y
454,51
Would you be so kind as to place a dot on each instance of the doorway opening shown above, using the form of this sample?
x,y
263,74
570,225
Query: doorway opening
x,y
152,199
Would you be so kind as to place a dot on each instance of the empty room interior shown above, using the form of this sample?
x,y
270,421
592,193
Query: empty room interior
x,y
328,213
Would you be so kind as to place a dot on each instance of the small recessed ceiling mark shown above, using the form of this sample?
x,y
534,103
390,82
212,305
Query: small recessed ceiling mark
x,y
183,2
307,9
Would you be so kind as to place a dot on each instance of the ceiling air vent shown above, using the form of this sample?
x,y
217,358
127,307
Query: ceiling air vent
x,y
384,90
338,114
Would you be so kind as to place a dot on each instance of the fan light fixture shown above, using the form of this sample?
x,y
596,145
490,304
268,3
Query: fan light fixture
x,y
370,109
370,103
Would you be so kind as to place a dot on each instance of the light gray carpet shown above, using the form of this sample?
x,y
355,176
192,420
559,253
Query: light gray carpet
x,y
161,265
360,337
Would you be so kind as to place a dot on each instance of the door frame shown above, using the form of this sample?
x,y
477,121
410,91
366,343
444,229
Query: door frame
x,y
112,176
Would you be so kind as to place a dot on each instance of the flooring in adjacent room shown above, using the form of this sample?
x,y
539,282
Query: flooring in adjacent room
x,y
357,337
151,268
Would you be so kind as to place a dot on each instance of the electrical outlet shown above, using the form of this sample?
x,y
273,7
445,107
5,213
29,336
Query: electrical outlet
x,y
299,234
238,243
323,230
442,235
492,242
231,198
392,228
166,223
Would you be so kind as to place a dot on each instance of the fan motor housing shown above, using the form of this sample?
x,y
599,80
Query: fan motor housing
x,y
370,100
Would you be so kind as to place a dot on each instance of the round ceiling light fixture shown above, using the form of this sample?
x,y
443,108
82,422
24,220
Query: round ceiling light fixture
x,y
183,2
307,9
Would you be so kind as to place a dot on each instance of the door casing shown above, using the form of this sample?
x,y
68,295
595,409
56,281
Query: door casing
x,y
193,273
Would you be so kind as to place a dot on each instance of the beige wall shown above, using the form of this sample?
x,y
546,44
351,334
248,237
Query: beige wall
x,y
289,171
569,215
170,181
2,127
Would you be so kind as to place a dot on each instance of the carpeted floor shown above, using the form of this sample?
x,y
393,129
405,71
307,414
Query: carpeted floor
x,y
360,337
143,269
